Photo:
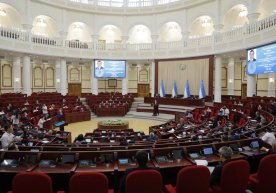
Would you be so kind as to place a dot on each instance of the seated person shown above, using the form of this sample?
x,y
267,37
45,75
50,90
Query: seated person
x,y
80,139
225,156
142,159
8,138
123,141
269,136
272,150
152,137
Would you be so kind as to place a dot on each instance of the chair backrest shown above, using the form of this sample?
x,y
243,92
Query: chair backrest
x,y
234,176
144,181
267,174
88,182
32,182
193,179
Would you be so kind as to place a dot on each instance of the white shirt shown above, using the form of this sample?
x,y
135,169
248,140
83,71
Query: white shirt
x,y
6,139
15,120
268,137
40,123
44,109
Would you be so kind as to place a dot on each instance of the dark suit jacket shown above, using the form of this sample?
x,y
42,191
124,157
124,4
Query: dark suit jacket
x,y
123,182
216,174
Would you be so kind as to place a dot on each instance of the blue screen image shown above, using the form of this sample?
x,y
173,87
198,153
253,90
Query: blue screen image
x,y
261,60
109,68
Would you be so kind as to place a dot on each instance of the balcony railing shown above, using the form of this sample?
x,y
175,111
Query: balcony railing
x,y
190,43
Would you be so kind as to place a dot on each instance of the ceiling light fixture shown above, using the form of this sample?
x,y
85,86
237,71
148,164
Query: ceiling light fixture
x,y
3,13
77,28
243,12
205,22
41,22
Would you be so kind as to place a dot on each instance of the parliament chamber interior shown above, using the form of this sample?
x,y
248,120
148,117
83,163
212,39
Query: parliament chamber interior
x,y
137,96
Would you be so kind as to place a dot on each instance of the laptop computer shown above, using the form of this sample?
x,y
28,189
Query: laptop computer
x,y
9,163
177,154
123,161
234,147
161,159
106,158
86,163
47,163
194,155
29,159
207,151
253,135
68,159
255,145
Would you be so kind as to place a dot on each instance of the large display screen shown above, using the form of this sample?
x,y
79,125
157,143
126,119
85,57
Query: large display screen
x,y
109,68
261,60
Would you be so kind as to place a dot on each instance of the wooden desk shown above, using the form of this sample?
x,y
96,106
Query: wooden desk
x,y
100,167
175,101
102,126
77,117
58,169
175,163
110,111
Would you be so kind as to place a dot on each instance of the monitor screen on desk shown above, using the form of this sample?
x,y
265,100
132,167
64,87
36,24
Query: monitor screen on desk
x,y
253,135
68,159
123,161
207,151
58,124
255,145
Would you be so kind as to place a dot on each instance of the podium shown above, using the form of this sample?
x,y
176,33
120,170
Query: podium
x,y
61,125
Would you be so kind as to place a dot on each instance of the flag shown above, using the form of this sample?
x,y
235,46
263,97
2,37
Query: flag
x,y
202,93
174,90
187,90
162,89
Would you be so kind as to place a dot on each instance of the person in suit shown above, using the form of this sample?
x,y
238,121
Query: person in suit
x,y
142,160
225,156
99,65
155,108
251,62
251,56
99,70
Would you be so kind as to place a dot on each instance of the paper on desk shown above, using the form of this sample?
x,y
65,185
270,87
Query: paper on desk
x,y
200,162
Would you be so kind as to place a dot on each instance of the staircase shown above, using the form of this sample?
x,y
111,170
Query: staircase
x,y
84,103
136,102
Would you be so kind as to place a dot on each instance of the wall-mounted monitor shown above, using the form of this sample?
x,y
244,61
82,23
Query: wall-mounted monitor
x,y
261,60
109,68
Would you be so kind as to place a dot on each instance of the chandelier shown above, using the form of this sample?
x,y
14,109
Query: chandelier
x,y
205,22
2,12
243,12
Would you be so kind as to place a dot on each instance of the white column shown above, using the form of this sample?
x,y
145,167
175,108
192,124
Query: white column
x,y
217,79
271,85
16,74
63,77
152,79
185,25
57,75
251,85
230,76
125,82
27,75
253,10
218,23
94,81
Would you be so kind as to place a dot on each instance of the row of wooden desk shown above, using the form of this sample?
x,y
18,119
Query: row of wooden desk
x,y
175,101
61,173
111,111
